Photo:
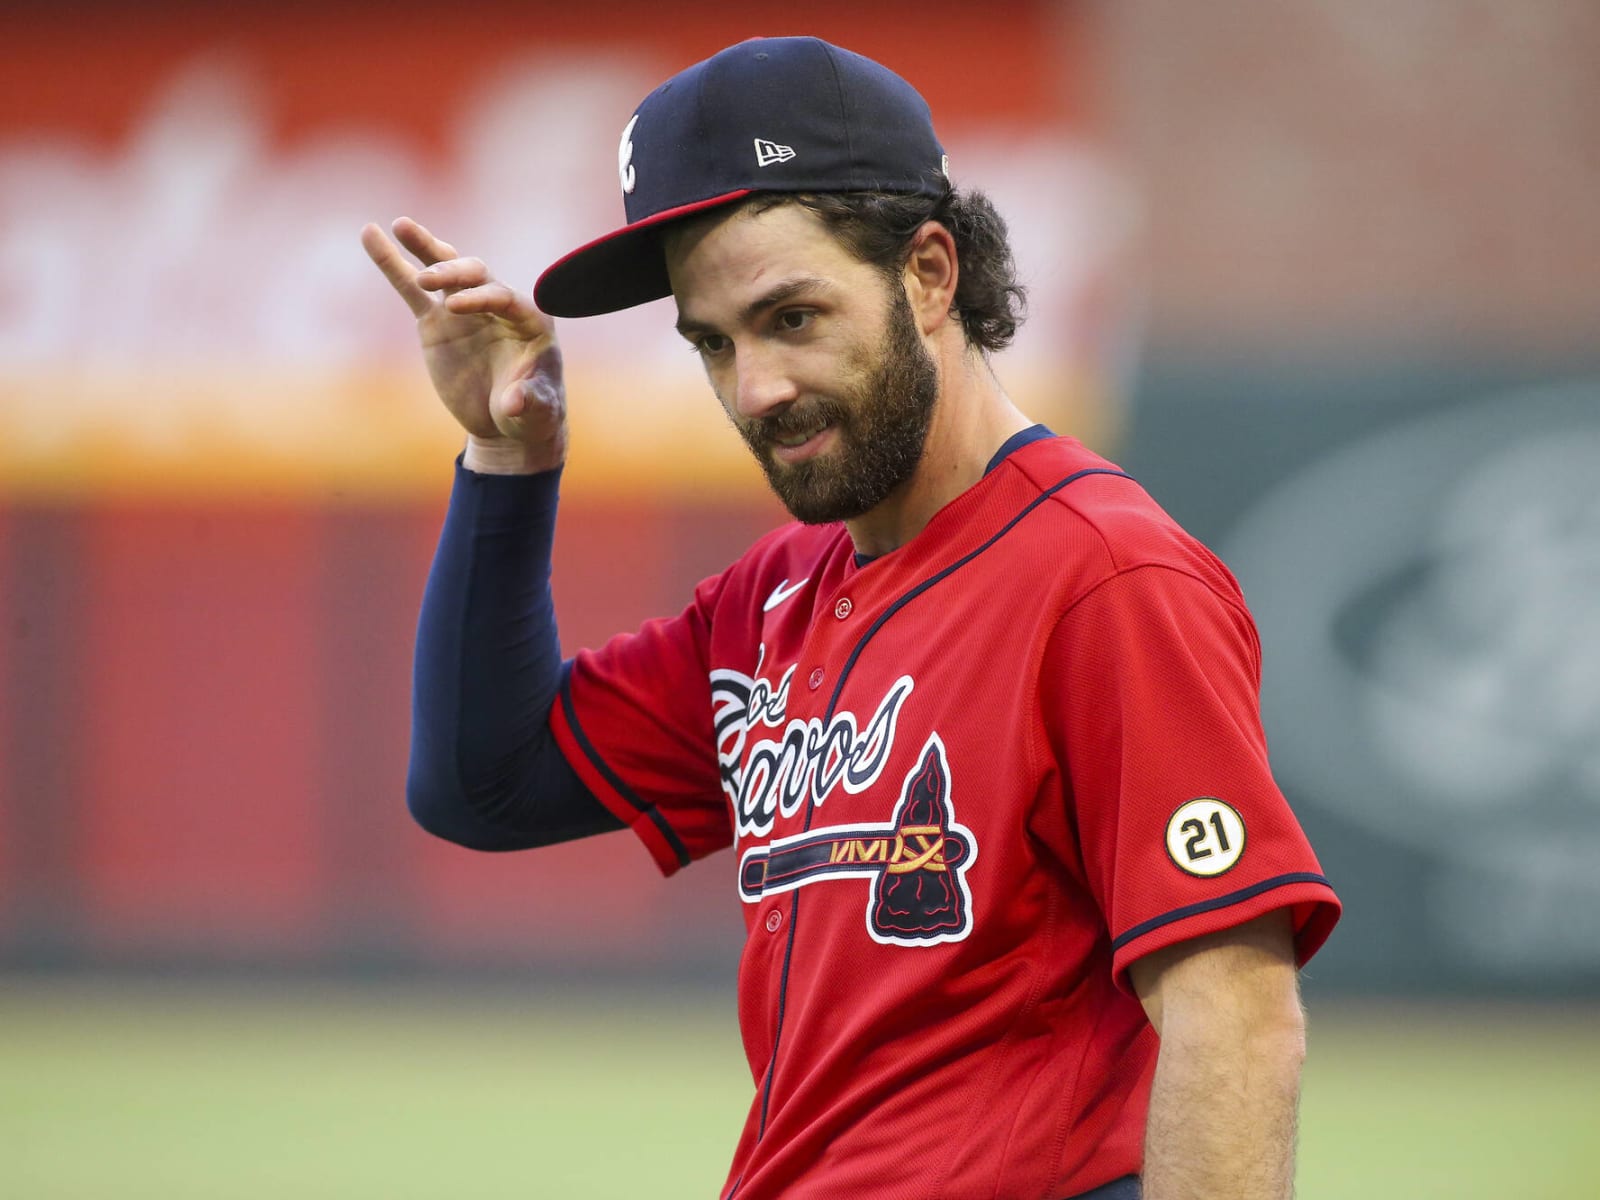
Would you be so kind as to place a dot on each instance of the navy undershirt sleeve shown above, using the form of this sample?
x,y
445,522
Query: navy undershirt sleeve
x,y
485,769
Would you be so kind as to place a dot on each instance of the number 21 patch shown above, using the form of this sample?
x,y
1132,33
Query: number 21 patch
x,y
1205,836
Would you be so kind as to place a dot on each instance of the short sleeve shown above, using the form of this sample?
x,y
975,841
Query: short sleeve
x,y
634,719
1150,694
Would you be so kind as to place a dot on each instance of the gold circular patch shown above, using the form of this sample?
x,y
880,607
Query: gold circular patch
x,y
1205,836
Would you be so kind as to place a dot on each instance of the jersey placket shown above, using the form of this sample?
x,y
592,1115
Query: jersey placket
x,y
827,651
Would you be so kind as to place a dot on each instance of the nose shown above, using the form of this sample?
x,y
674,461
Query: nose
x,y
761,383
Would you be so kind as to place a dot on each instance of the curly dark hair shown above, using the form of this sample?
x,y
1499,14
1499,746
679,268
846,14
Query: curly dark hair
x,y
877,228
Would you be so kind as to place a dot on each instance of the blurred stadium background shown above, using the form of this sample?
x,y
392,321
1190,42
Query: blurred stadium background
x,y
1324,275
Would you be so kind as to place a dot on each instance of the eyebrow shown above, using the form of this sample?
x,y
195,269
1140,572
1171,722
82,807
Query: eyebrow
x,y
778,294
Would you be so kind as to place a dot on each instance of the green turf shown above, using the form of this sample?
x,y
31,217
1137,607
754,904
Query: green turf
x,y
357,1096
1460,1105
130,1092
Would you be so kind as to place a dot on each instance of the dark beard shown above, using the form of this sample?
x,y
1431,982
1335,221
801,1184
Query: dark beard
x,y
882,427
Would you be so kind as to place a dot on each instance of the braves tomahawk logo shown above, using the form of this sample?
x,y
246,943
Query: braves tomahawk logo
x,y
917,863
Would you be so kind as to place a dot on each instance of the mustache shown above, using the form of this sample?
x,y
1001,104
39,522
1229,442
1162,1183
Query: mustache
x,y
797,418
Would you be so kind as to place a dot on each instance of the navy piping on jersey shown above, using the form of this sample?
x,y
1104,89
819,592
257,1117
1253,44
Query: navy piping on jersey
x,y
944,574
833,700
1205,906
616,782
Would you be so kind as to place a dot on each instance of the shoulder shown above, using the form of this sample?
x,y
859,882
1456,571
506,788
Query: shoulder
x,y
1113,523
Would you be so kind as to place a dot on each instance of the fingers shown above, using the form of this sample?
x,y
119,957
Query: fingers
x,y
500,300
396,268
465,282
453,275
423,244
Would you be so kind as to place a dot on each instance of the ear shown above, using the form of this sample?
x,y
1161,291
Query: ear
x,y
930,276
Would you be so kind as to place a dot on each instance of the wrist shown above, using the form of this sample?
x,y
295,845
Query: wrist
x,y
507,456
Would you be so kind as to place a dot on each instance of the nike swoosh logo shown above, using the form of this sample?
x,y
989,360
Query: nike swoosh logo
x,y
781,593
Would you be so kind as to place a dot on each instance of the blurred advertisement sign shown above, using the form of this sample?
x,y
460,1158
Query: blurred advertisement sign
x,y
1428,598
198,317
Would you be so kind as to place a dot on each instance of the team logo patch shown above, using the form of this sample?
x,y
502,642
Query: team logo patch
x,y
1205,836
917,863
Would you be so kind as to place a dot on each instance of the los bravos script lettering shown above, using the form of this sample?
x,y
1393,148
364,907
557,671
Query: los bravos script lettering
x,y
765,776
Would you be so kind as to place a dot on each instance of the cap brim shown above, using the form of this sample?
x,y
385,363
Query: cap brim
x,y
624,268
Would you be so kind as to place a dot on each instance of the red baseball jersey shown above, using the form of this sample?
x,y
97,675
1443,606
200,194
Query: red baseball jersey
x,y
967,784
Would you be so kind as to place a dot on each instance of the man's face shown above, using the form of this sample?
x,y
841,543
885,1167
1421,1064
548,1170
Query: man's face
x,y
815,356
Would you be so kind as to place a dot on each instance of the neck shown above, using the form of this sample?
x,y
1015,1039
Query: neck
x,y
971,420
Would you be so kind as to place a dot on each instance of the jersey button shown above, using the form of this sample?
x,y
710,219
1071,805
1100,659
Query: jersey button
x,y
816,679
774,919
843,608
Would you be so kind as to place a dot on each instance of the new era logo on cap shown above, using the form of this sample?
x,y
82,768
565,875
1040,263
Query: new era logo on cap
x,y
768,153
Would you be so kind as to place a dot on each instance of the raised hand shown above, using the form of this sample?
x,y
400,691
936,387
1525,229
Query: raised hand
x,y
492,355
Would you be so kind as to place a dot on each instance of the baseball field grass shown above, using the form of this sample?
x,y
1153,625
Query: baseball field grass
x,y
282,1090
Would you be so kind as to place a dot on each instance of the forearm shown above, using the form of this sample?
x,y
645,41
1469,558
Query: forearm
x,y
1223,1108
485,771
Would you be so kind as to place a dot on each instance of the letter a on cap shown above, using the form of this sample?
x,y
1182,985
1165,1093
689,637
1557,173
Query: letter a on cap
x,y
626,175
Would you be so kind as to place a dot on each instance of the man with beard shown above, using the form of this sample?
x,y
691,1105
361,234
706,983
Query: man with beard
x,y
1023,903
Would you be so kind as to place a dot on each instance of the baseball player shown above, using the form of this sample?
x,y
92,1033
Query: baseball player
x,y
1024,905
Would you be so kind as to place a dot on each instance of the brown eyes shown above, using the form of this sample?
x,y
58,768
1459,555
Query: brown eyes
x,y
792,320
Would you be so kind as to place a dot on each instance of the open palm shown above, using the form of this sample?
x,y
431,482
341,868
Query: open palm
x,y
493,357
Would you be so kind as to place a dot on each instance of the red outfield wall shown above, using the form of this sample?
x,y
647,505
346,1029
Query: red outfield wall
x,y
205,718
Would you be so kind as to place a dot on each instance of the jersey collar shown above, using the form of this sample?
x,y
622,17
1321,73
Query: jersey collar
x,y
1034,433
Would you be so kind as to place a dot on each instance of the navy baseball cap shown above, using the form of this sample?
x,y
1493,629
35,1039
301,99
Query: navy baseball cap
x,y
792,114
